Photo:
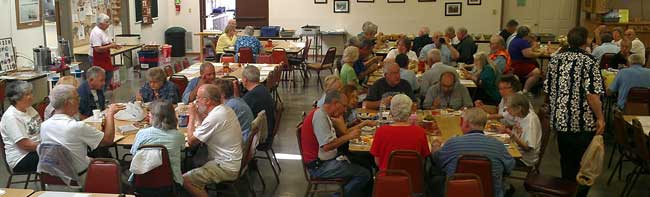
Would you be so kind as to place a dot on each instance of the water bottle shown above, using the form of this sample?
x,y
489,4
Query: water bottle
x,y
382,108
183,117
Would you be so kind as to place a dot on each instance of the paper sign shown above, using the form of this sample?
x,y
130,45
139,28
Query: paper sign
x,y
521,3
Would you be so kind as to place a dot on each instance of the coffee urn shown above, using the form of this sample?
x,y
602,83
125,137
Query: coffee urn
x,y
42,59
64,50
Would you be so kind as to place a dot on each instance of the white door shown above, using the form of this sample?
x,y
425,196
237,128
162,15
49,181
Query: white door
x,y
526,15
542,16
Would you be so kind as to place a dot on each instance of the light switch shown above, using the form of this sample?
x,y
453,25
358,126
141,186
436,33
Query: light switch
x,y
494,12
189,10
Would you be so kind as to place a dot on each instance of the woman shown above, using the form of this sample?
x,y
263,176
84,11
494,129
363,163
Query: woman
x,y
227,39
499,56
485,77
248,40
163,132
527,131
369,31
347,75
352,93
508,85
20,128
524,63
66,80
400,134
158,88
332,82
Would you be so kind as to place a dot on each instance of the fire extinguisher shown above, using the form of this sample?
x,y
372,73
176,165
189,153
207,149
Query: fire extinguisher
x,y
178,5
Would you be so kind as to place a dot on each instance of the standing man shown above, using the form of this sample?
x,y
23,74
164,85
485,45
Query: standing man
x,y
207,76
574,86
466,46
100,47
510,29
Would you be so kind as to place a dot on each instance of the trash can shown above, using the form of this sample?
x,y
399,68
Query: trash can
x,y
175,36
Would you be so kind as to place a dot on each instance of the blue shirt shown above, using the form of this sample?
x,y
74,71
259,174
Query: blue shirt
x,y
445,53
173,140
607,47
627,78
168,92
475,142
500,64
87,102
244,115
188,90
248,41
409,76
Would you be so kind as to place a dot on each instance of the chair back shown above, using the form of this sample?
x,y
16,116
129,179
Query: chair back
x,y
479,165
261,125
638,102
412,162
605,60
246,55
305,51
169,70
263,59
621,136
103,177
279,56
180,81
389,183
159,177
40,107
186,63
47,179
640,142
302,159
3,157
464,184
227,58
330,56
544,119
178,67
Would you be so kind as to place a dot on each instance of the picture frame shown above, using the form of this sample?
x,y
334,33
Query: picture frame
x,y
341,6
453,9
473,2
426,0
365,1
320,1
29,14
396,1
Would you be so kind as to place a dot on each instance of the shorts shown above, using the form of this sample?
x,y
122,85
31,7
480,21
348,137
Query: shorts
x,y
523,68
210,172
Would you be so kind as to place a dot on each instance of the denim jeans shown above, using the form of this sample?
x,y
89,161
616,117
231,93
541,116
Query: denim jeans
x,y
359,184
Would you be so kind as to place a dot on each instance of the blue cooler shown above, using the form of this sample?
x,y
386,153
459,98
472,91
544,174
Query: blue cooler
x,y
270,31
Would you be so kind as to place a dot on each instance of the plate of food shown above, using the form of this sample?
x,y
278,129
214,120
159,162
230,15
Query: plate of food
x,y
368,129
367,116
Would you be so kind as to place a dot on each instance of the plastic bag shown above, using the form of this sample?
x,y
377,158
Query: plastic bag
x,y
591,165
133,112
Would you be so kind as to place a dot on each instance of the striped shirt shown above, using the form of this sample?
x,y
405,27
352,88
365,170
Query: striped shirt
x,y
475,142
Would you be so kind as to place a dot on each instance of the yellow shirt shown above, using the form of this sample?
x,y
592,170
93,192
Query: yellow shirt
x,y
225,42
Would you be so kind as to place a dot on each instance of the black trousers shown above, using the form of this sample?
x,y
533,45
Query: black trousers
x,y
572,145
28,163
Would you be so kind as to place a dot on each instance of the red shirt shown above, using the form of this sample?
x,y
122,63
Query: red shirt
x,y
390,138
308,141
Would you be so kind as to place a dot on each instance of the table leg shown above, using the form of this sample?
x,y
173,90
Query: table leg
x,y
201,45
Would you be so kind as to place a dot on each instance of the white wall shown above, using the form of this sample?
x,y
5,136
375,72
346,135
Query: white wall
x,y
25,39
187,18
154,33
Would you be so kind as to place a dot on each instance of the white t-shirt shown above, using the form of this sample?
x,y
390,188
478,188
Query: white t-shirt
x,y
15,126
220,130
394,52
637,47
75,136
98,37
532,135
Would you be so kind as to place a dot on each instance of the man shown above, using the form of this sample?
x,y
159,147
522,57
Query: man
x,y
406,74
466,46
447,52
220,132
474,141
258,97
499,56
422,39
637,46
319,143
618,33
207,73
510,29
574,86
383,89
620,59
366,64
91,92
403,47
447,94
634,76
607,46
450,33
243,112
100,47
431,77
75,136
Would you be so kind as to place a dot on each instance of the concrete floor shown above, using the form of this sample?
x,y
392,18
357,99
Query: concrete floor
x,y
292,183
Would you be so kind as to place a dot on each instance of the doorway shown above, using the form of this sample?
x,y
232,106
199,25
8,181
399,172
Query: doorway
x,y
215,14
542,16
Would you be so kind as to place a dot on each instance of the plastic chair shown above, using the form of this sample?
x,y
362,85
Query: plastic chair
x,y
312,182
638,102
160,179
412,162
40,107
479,165
104,176
10,172
246,55
169,70
180,81
464,184
389,183
605,60
327,63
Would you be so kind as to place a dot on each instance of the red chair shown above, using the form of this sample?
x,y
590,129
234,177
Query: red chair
x,y
389,183
464,184
549,186
227,59
169,70
40,107
47,179
160,178
623,145
10,172
605,60
328,63
279,56
264,59
178,67
180,81
638,102
103,177
186,63
312,182
246,55
412,162
479,165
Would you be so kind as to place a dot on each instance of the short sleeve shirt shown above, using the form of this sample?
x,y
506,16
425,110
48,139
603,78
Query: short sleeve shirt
x,y
394,52
390,138
221,132
349,76
173,140
532,135
16,126
458,99
325,133
381,88
244,115
98,37
76,136
516,47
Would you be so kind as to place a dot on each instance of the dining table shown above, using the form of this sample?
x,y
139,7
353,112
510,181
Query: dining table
x,y
644,120
14,192
291,47
75,194
234,70
373,77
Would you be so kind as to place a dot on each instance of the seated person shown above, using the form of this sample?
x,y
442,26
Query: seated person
x,y
474,141
508,85
368,31
76,136
366,64
400,135
510,29
527,131
163,131
627,78
447,52
215,125
91,93
242,110
319,143
158,87
248,40
347,75
258,97
403,47
20,128
422,39
207,75
431,77
499,56
447,94
637,46
332,82
384,88
466,47
524,63
352,93
406,74
485,76
619,60
65,80
227,39
607,46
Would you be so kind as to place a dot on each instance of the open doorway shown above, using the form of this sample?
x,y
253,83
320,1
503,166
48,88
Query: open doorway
x,y
217,13
50,22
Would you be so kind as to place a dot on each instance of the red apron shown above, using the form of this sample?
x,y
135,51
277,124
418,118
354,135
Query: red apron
x,y
103,60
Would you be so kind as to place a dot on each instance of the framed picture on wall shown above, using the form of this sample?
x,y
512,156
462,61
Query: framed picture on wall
x,y
426,0
396,1
341,6
28,14
473,2
365,1
453,9
320,1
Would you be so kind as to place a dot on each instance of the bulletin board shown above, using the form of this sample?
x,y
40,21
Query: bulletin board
x,y
84,16
7,55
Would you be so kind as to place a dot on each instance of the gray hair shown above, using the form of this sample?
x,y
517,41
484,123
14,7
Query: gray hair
x,y
213,92
636,59
462,30
156,74
400,107
388,65
497,39
450,30
519,102
102,18
522,31
225,87
61,94
205,66
369,28
333,95
482,57
426,31
476,117
17,90
353,41
434,55
350,54
229,28
249,30
163,115
251,73
94,71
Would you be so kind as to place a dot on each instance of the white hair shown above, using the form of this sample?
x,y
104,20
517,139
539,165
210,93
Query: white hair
x,y
434,55
249,30
400,107
350,54
251,73
476,117
94,72
102,18
636,59
60,94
